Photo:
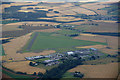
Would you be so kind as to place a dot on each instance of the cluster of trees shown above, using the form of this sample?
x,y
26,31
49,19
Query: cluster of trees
x,y
4,41
91,24
30,8
39,74
12,12
22,16
74,35
50,9
33,64
57,72
78,74
113,7
21,73
56,11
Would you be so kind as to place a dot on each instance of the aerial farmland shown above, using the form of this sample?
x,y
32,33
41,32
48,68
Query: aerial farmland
x,y
46,39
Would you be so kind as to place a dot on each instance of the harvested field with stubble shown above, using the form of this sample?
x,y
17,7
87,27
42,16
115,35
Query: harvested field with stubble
x,y
13,29
10,27
15,45
13,26
98,71
80,10
96,6
66,19
94,46
23,66
112,42
90,38
17,4
103,27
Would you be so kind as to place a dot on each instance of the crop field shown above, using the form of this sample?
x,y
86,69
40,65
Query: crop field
x,y
44,41
15,26
18,66
47,30
16,44
90,38
66,19
98,71
82,26
95,46
103,27
7,75
68,32
95,7
112,42
101,61
2,52
95,26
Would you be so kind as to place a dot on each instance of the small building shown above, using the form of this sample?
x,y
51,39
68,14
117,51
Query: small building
x,y
93,49
70,53
48,61
34,57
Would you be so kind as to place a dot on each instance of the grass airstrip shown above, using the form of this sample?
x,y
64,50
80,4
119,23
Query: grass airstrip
x,y
54,41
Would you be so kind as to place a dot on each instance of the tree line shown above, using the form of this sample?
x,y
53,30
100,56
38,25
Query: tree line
x,y
57,72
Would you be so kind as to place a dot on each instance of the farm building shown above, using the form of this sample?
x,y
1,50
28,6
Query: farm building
x,y
93,49
53,63
70,53
34,57
48,61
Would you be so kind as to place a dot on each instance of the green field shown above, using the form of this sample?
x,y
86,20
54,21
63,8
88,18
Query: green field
x,y
112,9
46,41
17,76
9,21
68,75
2,52
68,32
